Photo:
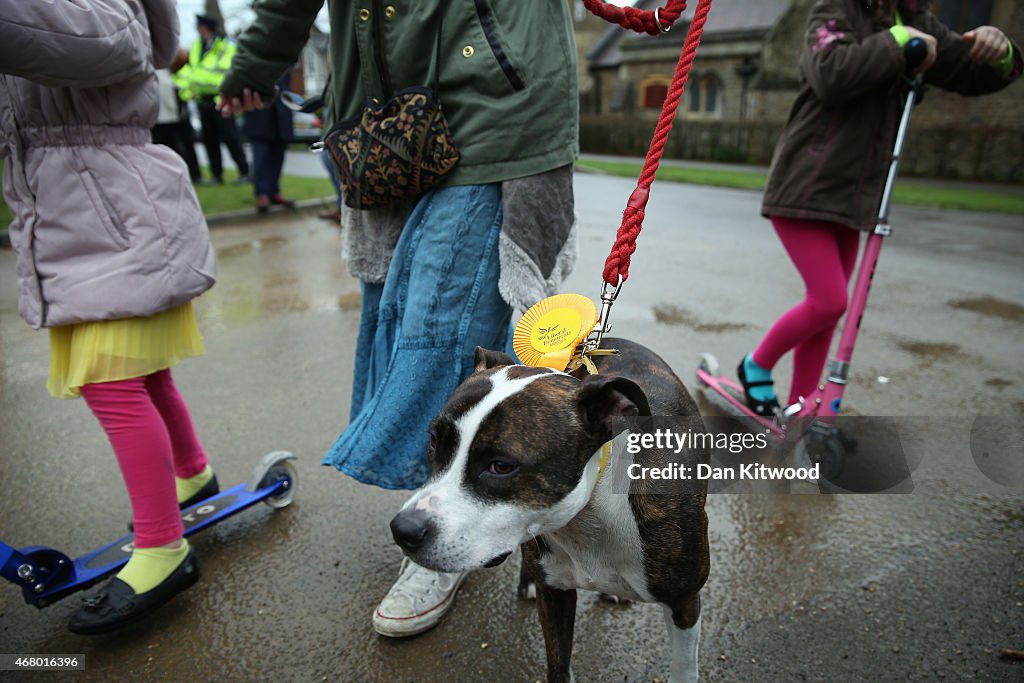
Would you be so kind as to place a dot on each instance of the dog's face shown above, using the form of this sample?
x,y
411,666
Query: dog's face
x,y
511,457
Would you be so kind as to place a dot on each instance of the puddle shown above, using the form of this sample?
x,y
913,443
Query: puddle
x,y
930,350
281,282
350,302
990,306
670,314
237,250
286,304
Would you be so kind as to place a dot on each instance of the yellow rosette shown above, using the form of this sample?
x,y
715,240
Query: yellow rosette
x,y
548,334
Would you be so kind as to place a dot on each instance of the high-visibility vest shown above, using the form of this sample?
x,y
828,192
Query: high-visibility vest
x,y
183,82
207,70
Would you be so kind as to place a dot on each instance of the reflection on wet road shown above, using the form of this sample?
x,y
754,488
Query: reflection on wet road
x,y
802,587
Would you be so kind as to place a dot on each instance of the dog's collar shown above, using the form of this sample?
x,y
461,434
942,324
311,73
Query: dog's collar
x,y
583,358
606,452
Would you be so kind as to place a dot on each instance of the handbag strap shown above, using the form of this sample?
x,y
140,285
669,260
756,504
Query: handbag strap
x,y
434,74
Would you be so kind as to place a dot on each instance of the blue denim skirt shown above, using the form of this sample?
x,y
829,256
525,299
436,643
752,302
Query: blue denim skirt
x,y
418,332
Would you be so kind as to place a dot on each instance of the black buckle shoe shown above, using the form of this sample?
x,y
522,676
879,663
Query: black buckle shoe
x,y
210,489
769,408
117,605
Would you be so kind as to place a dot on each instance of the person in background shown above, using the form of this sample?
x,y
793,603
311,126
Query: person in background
x,y
208,61
828,170
111,249
180,74
327,117
269,130
332,215
442,274
173,128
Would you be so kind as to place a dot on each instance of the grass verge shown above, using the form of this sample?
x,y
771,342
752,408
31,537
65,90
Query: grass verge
x,y
229,197
907,193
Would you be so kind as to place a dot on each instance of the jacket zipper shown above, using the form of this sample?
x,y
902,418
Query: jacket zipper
x,y
490,26
385,80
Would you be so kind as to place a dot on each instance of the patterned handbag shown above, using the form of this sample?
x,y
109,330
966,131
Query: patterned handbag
x,y
400,148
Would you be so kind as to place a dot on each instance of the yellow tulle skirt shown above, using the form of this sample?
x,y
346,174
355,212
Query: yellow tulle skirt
x,y
111,350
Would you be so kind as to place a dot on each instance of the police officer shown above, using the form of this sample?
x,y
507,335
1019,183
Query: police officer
x,y
208,60
173,127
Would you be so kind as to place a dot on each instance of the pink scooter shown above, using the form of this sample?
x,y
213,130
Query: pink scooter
x,y
814,416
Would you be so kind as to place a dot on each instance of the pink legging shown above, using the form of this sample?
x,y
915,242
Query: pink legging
x,y
151,432
825,254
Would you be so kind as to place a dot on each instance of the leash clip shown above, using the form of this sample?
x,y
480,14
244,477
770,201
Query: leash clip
x,y
608,296
591,346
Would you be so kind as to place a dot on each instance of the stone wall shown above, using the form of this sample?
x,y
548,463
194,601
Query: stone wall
x,y
695,140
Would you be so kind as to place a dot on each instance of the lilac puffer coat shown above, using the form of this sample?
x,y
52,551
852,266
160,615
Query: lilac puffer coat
x,y
105,224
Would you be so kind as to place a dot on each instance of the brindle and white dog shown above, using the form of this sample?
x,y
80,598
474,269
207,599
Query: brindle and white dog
x,y
515,458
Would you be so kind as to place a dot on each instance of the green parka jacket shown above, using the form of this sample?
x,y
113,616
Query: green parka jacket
x,y
831,160
507,71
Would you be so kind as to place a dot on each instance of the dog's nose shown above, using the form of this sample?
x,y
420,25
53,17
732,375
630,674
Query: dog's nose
x,y
411,528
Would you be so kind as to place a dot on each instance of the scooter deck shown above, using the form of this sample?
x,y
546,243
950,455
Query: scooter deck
x,y
727,395
62,576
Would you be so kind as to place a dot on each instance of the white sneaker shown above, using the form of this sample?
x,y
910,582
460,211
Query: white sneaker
x,y
416,602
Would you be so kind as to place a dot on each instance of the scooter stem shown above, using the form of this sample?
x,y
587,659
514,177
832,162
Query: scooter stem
x,y
839,365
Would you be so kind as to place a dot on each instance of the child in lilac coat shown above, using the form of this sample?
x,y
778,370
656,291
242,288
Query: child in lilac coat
x,y
112,248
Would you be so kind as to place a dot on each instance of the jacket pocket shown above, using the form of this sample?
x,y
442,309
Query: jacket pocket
x,y
489,24
105,210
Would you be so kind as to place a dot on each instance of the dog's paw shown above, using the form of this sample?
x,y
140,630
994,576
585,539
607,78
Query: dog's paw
x,y
612,599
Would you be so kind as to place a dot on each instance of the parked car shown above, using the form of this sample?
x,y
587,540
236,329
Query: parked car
x,y
306,127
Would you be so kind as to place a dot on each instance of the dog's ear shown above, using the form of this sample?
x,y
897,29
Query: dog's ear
x,y
484,359
602,398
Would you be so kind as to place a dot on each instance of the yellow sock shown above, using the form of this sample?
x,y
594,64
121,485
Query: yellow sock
x,y
190,487
148,567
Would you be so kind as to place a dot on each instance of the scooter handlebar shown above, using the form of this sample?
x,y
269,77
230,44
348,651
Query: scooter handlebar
x,y
915,52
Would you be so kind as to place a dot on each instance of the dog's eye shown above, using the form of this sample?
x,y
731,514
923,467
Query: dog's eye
x,y
502,468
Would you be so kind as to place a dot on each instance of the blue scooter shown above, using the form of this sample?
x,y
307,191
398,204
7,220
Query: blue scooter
x,y
47,575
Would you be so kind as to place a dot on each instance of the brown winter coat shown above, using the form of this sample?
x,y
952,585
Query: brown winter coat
x,y
105,224
831,160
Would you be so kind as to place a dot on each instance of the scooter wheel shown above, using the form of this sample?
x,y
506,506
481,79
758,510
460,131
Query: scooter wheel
x,y
828,452
709,364
283,470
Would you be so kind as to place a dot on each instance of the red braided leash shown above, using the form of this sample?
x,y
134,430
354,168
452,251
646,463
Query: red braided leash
x,y
640,21
616,266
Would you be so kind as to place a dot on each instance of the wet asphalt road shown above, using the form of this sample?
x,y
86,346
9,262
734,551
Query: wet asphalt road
x,y
923,586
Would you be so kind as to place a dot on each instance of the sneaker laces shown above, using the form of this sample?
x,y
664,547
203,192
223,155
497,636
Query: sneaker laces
x,y
419,583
